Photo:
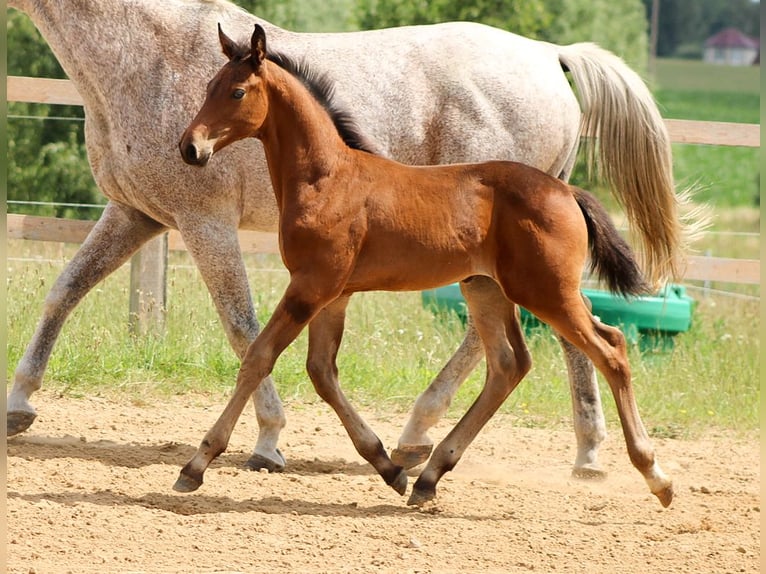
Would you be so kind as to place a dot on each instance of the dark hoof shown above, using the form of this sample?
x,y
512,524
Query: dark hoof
x,y
257,462
592,474
665,495
419,497
411,456
18,422
186,483
399,484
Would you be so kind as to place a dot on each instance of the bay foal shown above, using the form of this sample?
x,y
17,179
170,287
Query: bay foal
x,y
353,221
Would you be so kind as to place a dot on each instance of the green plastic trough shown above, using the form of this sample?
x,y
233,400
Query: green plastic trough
x,y
650,321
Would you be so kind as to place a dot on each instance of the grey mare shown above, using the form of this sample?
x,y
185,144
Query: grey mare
x,y
458,92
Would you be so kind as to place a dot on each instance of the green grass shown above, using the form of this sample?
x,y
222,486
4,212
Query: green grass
x,y
698,76
392,348
685,89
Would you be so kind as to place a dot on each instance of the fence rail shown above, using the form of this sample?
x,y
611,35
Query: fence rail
x,y
148,266
36,228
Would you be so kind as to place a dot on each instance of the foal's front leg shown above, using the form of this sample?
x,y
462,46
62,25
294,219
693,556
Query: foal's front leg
x,y
214,244
280,331
325,334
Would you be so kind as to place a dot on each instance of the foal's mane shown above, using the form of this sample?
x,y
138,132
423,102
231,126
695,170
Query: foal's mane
x,y
322,89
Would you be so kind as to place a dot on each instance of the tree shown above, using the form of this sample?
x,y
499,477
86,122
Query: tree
x,y
525,17
617,25
47,160
304,15
684,25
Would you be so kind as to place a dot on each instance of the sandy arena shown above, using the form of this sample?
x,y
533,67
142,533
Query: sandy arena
x,y
89,490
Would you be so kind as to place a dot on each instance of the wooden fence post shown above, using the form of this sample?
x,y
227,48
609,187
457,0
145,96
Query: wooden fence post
x,y
148,287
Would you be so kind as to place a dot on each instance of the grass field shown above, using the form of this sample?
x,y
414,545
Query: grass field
x,y
392,348
727,176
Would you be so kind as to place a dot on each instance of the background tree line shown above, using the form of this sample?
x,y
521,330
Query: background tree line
x,y
47,158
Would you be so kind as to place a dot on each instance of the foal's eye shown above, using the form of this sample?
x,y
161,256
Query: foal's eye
x,y
238,94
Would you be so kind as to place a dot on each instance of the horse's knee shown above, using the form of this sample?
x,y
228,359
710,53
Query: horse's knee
x,y
322,374
241,333
510,365
523,362
611,335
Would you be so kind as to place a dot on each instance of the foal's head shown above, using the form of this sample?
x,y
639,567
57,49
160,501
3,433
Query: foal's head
x,y
235,105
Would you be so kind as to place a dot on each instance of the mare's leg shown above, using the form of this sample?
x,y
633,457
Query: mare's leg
x,y
589,423
214,245
293,312
119,232
415,445
508,360
606,347
325,333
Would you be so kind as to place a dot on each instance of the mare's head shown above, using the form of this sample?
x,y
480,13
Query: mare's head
x,y
235,105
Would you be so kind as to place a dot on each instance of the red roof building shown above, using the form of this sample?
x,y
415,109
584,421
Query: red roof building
x,y
732,47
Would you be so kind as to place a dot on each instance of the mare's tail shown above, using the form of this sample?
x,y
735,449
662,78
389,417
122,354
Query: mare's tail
x,y
611,258
634,155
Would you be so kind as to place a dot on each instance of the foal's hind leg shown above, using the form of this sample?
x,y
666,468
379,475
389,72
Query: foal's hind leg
x,y
508,361
325,333
119,232
606,347
415,445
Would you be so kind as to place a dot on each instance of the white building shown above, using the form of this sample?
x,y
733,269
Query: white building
x,y
733,48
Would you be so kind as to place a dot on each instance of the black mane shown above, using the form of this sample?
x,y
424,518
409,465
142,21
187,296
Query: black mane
x,y
322,88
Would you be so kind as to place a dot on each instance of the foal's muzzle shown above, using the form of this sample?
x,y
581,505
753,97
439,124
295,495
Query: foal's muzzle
x,y
193,153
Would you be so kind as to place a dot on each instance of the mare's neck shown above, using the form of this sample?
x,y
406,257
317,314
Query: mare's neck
x,y
117,52
300,140
93,40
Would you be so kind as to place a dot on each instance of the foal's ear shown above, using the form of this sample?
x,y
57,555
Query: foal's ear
x,y
258,46
227,44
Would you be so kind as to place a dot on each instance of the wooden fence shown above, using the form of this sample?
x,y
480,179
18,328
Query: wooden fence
x,y
148,267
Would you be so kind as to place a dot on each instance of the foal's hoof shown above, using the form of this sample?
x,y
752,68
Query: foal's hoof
x,y
665,495
258,461
186,483
590,473
411,456
399,484
420,496
18,421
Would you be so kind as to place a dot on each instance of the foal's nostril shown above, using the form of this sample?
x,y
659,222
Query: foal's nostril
x,y
191,153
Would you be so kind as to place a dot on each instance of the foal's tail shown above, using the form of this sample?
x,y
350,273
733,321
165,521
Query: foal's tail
x,y
634,156
611,258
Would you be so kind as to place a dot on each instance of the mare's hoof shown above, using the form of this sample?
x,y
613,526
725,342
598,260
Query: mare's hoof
x,y
258,461
665,495
399,484
411,456
18,422
589,473
186,483
419,497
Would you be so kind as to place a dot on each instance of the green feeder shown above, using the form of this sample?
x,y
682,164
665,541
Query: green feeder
x,y
650,321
